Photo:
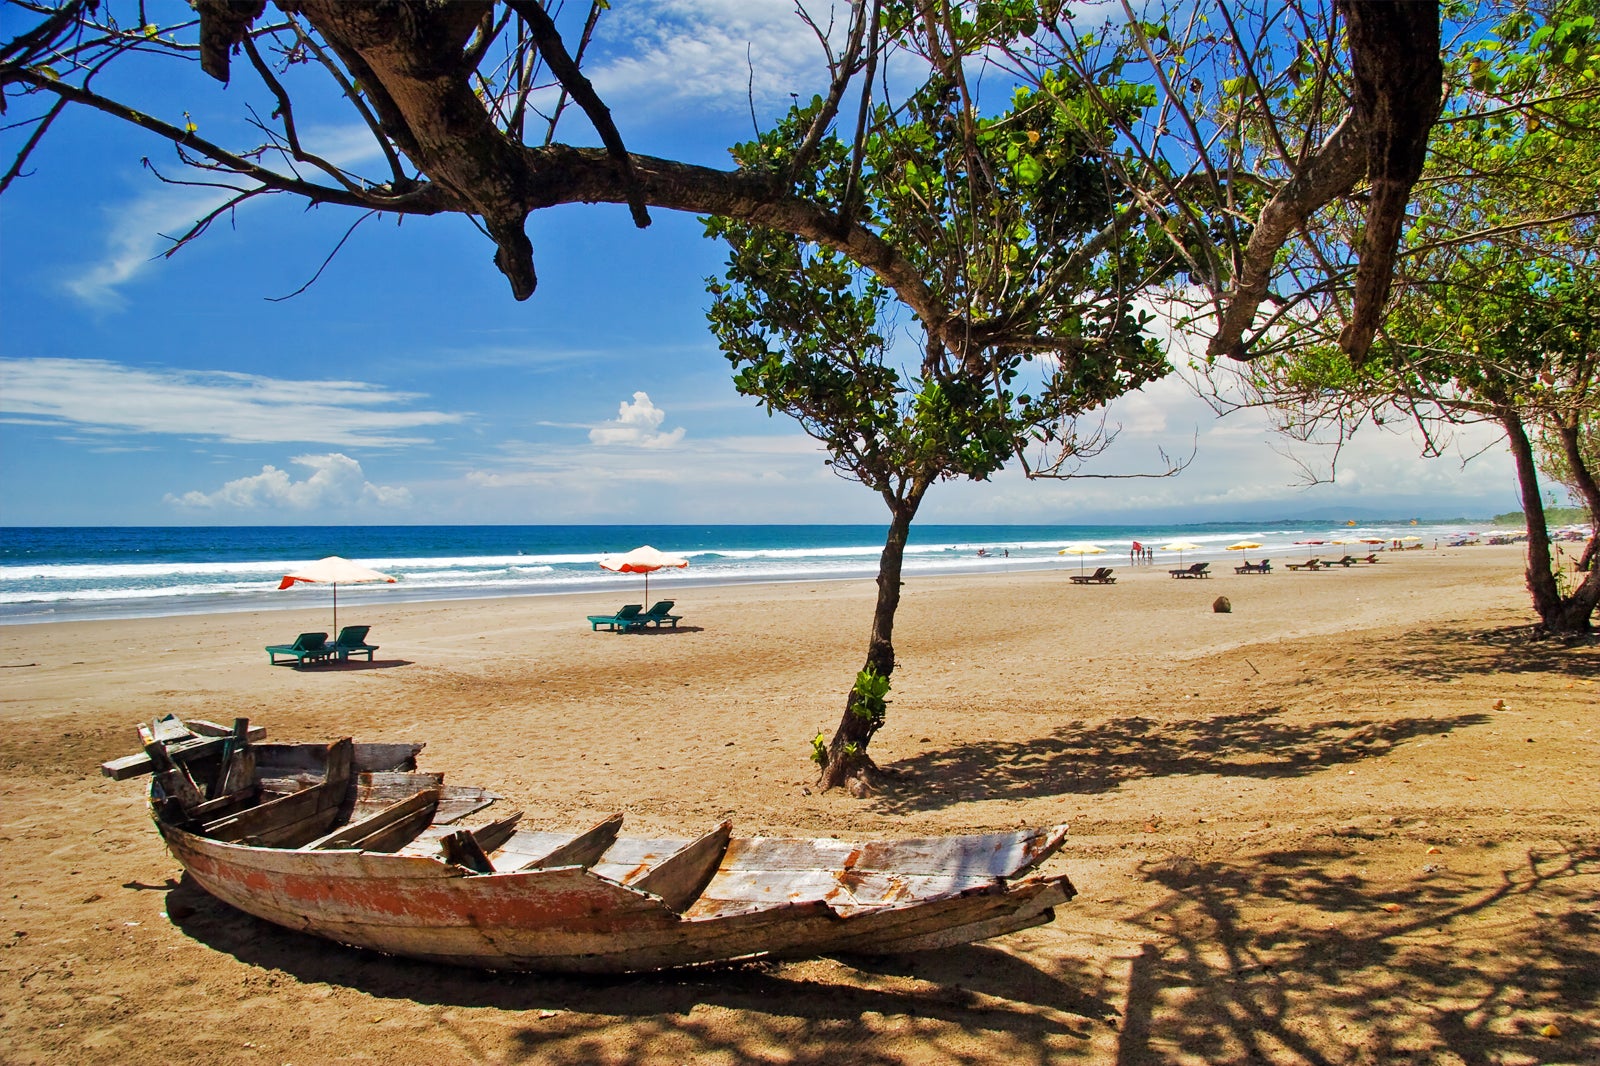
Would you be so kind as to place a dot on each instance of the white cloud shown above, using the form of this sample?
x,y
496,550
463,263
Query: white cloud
x,y
237,408
336,482
142,229
637,423
712,52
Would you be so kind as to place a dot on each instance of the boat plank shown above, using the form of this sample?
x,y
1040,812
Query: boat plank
x,y
376,790
980,855
458,801
526,845
375,757
196,748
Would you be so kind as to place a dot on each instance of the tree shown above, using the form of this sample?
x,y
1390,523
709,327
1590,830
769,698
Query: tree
x,y
1553,449
1011,218
1497,316
1258,119
1515,344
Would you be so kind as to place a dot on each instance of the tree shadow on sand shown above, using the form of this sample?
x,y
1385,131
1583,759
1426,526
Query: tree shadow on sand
x,y
1448,653
1083,759
1026,1008
1288,957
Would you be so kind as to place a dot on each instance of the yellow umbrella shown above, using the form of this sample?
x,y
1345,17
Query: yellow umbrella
x,y
1181,546
1243,546
1080,550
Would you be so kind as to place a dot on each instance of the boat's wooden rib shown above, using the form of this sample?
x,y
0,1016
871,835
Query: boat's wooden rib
x,y
330,841
214,809
291,820
582,850
462,849
397,823
236,763
491,836
682,876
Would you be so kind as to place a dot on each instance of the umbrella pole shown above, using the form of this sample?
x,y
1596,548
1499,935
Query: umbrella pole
x,y
335,610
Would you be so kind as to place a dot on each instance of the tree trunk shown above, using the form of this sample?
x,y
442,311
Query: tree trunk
x,y
846,761
1583,479
1572,613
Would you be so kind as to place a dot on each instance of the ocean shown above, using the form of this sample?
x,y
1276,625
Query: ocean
x,y
75,573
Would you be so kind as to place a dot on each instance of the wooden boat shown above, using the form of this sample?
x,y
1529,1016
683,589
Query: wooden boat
x,y
350,842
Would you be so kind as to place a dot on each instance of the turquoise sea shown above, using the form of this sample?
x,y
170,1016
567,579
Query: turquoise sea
x,y
60,574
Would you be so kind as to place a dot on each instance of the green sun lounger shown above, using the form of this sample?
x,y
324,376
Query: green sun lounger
x,y
313,646
353,641
661,614
625,619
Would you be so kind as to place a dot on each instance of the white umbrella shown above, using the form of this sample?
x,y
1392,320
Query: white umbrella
x,y
1080,550
643,560
334,570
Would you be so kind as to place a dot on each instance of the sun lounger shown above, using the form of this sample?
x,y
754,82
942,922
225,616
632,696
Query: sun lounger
x,y
661,613
1102,576
1197,570
1263,567
353,641
313,646
627,618
1347,562
1309,564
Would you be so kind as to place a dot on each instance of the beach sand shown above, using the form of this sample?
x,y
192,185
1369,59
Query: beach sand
x,y
1355,820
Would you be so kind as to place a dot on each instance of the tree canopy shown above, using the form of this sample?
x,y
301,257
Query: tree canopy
x,y
451,95
1497,315
1005,218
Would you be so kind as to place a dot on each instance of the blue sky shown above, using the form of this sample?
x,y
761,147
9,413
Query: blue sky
x,y
407,386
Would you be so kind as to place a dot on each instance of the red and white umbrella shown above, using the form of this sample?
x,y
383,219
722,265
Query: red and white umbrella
x,y
643,560
334,570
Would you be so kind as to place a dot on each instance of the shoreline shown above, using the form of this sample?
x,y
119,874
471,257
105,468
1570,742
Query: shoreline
x,y
168,575
272,601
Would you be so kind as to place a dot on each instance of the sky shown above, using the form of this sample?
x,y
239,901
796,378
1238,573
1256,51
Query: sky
x,y
405,385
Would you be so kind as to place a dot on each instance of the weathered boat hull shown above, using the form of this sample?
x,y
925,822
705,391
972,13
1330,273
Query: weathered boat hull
x,y
345,841
569,919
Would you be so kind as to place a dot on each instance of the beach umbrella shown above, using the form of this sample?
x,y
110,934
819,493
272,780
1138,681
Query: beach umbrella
x,y
1080,550
643,560
1309,543
1243,546
1181,546
334,570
